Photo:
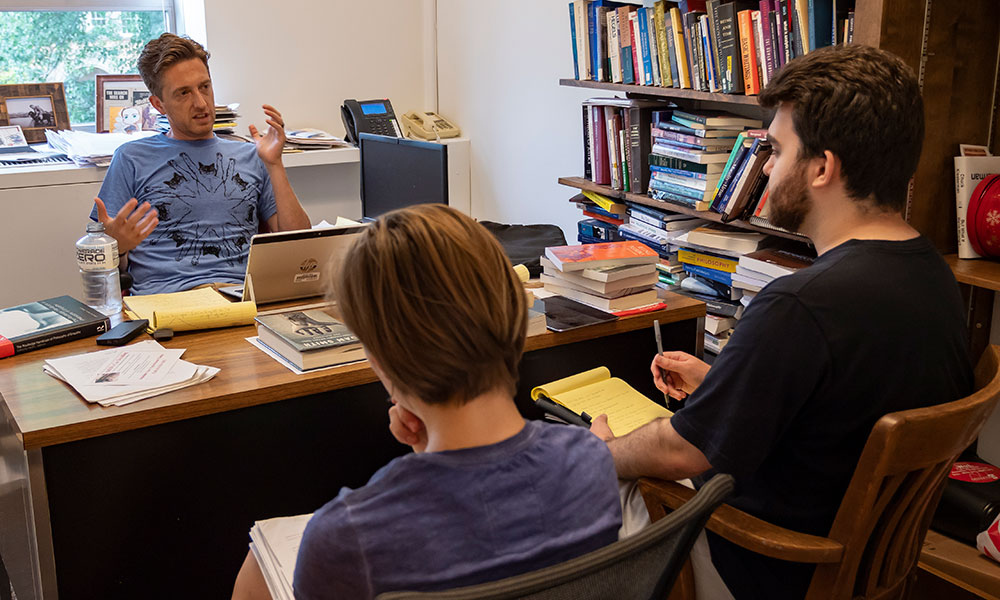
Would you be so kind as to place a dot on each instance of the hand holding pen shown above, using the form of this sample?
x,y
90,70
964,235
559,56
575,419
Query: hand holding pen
x,y
676,374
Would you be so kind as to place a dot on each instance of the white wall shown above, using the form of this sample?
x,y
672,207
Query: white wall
x,y
499,64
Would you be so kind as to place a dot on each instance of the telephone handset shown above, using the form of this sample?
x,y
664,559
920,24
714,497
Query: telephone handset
x,y
428,125
369,116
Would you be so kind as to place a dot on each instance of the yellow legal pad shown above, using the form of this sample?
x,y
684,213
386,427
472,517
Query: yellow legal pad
x,y
202,308
597,392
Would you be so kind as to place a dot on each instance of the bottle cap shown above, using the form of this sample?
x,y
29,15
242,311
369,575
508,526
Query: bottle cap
x,y
95,227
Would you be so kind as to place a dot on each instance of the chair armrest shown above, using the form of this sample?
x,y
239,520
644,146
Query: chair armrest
x,y
745,530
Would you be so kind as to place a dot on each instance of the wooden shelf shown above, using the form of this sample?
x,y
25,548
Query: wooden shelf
x,y
665,92
582,183
980,272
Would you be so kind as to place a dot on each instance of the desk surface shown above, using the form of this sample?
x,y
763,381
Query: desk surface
x,y
960,564
46,411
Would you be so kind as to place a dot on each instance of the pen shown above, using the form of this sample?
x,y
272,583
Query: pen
x,y
659,351
560,411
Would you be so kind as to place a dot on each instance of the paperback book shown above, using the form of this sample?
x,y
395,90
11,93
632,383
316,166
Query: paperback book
x,y
46,323
309,339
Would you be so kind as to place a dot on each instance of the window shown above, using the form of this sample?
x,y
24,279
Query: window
x,y
73,41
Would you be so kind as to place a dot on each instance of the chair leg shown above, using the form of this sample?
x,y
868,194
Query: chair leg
x,y
684,586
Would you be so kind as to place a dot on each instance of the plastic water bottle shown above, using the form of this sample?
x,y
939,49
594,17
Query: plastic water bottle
x,y
97,256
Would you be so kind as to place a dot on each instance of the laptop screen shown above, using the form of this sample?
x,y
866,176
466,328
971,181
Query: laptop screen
x,y
397,172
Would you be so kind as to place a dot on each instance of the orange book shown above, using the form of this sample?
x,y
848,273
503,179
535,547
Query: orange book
x,y
589,256
751,77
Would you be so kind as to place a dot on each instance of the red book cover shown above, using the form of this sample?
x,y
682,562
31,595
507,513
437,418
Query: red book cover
x,y
636,52
604,218
577,258
602,171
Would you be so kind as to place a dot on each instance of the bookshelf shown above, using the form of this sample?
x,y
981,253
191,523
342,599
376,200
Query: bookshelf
x,y
953,47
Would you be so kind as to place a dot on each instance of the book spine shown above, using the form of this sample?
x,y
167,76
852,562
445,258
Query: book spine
x,y
772,18
610,131
593,41
677,163
650,63
645,219
639,146
683,64
724,180
715,275
963,192
765,27
614,57
678,172
712,10
588,171
740,181
626,157
706,51
598,230
640,77
680,190
582,38
672,48
625,45
803,44
572,32
680,153
820,23
662,45
703,145
678,199
850,27
751,79
719,263
45,339
786,29
603,218
776,29
602,171
729,49
759,46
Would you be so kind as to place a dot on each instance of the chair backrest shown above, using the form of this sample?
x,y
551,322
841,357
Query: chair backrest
x,y
641,567
896,486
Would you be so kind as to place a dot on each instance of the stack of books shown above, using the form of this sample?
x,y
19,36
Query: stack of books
x,y
225,119
602,217
709,256
309,339
708,46
689,154
313,139
757,269
742,188
613,276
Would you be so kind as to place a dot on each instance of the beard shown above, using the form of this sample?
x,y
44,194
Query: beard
x,y
789,200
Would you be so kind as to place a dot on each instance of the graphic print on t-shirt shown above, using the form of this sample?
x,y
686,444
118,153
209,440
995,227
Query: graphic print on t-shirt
x,y
186,218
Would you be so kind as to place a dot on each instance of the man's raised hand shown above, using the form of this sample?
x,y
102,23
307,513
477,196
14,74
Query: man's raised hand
x,y
131,225
269,146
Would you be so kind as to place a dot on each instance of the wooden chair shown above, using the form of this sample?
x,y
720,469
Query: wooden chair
x,y
877,534
640,567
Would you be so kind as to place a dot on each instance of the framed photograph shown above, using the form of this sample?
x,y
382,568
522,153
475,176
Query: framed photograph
x,y
123,104
35,107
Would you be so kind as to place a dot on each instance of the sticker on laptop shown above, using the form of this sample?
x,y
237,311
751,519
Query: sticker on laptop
x,y
306,277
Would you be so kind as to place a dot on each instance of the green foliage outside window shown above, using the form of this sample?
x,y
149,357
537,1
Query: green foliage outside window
x,y
73,47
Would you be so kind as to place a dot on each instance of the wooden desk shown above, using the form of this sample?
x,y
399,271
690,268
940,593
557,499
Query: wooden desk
x,y
961,565
155,499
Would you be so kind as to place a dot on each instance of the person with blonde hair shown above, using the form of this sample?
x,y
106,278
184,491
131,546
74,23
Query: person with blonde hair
x,y
485,494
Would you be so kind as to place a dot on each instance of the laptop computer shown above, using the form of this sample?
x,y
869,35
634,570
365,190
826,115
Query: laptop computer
x,y
289,265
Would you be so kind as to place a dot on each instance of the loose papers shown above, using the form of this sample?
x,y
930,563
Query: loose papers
x,y
275,545
120,376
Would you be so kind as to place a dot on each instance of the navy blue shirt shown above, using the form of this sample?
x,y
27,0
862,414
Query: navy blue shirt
x,y
820,355
441,520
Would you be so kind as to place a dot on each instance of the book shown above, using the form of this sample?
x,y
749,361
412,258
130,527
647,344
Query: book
x,y
606,291
598,230
668,28
724,237
609,273
637,64
45,323
644,279
715,120
821,24
695,156
704,259
748,53
715,324
577,258
969,172
614,47
662,45
775,262
750,183
628,302
582,39
572,33
669,162
758,40
596,392
625,44
683,62
712,12
309,339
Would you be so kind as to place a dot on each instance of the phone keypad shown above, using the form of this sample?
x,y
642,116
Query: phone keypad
x,y
384,127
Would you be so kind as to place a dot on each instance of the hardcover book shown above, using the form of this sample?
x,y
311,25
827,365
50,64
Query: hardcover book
x,y
46,323
309,338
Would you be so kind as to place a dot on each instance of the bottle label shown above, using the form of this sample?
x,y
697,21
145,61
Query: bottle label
x,y
97,258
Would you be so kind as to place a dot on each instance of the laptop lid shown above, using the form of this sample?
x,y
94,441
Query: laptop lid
x,y
289,265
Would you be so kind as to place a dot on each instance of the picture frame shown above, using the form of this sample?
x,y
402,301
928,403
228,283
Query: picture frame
x,y
35,107
115,94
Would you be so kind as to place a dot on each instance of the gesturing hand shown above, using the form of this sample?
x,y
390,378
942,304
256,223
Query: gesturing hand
x,y
269,146
131,225
684,373
407,427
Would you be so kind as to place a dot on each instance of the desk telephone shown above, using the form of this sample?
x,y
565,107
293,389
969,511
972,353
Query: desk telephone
x,y
377,116
369,116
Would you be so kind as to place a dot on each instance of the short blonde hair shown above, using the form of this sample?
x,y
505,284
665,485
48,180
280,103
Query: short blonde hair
x,y
432,296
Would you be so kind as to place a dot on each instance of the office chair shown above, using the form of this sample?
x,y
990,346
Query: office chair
x,y
876,536
640,567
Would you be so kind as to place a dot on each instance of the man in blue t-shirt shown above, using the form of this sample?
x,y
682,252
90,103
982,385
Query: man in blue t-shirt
x,y
484,495
186,203
875,325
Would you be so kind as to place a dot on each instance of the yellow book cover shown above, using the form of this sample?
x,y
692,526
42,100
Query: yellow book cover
x,y
682,61
597,392
718,263
659,24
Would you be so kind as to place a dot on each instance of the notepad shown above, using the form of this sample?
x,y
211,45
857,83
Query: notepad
x,y
597,392
202,308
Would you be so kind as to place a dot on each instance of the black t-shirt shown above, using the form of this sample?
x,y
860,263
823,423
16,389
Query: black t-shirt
x,y
872,327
